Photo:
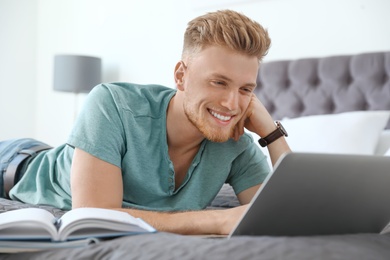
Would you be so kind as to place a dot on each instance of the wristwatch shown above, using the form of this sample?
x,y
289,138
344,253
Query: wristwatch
x,y
279,132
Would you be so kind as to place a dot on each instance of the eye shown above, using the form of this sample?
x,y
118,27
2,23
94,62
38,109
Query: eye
x,y
247,90
218,83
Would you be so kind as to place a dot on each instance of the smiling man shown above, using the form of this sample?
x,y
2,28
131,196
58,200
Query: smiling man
x,y
163,154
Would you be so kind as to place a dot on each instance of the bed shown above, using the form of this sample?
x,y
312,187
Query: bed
x,y
338,104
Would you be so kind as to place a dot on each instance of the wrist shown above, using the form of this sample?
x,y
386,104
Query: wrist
x,y
217,222
274,135
264,127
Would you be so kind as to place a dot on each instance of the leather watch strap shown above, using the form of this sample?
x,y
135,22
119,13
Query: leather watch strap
x,y
273,136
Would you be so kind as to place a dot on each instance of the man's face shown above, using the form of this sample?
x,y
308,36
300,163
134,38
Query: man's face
x,y
218,85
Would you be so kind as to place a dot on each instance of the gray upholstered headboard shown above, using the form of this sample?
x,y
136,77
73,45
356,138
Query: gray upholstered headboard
x,y
329,85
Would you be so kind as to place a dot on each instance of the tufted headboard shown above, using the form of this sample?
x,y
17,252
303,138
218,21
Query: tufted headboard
x,y
329,85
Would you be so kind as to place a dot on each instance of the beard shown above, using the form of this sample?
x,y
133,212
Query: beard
x,y
212,133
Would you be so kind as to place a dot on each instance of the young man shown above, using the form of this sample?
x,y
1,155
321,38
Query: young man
x,y
163,154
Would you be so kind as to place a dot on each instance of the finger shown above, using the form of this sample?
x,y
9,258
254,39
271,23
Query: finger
x,y
236,133
233,134
241,125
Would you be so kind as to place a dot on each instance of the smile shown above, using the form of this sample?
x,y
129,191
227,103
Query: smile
x,y
220,117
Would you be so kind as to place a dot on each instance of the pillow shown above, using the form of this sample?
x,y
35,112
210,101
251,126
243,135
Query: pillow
x,y
345,133
383,142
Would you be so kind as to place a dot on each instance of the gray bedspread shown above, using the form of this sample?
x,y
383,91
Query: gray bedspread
x,y
172,246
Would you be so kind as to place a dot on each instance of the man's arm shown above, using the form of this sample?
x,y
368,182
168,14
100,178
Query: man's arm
x,y
246,196
96,183
258,120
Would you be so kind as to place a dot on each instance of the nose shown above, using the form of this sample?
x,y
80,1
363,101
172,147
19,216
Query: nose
x,y
230,99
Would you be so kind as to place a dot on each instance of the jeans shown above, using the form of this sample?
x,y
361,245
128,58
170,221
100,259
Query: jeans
x,y
8,150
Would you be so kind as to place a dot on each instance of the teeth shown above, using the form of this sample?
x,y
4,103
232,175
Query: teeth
x,y
221,117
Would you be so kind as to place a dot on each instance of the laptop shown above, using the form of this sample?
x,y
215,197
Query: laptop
x,y
320,194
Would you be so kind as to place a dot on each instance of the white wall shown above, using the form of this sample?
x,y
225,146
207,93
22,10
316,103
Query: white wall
x,y
304,28
140,41
137,43
18,33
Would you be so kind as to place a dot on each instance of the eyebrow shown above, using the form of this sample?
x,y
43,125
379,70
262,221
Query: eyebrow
x,y
217,75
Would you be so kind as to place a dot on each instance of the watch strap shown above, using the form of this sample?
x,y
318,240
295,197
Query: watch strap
x,y
273,136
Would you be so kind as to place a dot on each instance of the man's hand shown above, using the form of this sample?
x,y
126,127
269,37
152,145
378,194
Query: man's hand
x,y
234,215
258,120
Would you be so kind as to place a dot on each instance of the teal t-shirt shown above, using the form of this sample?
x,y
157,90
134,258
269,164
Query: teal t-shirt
x,y
125,125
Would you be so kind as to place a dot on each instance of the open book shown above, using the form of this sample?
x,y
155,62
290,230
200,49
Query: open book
x,y
33,224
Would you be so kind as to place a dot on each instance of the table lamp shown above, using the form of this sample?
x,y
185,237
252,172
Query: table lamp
x,y
76,74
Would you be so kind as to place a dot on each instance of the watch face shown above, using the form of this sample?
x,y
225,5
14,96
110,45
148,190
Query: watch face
x,y
284,132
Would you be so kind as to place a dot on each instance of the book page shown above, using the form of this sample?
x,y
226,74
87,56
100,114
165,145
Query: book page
x,y
98,222
26,224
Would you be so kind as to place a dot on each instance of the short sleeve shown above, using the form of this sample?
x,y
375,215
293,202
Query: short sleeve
x,y
250,168
99,128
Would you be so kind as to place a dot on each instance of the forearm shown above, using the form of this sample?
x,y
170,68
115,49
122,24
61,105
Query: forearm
x,y
187,222
277,148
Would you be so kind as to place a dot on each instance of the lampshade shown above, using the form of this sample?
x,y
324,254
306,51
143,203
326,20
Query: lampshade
x,y
75,73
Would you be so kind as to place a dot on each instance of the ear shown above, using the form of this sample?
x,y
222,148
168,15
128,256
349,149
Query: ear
x,y
179,75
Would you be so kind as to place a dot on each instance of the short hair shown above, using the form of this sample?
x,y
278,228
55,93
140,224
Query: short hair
x,y
229,29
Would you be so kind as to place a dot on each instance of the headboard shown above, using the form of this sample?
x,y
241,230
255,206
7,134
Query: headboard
x,y
329,85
